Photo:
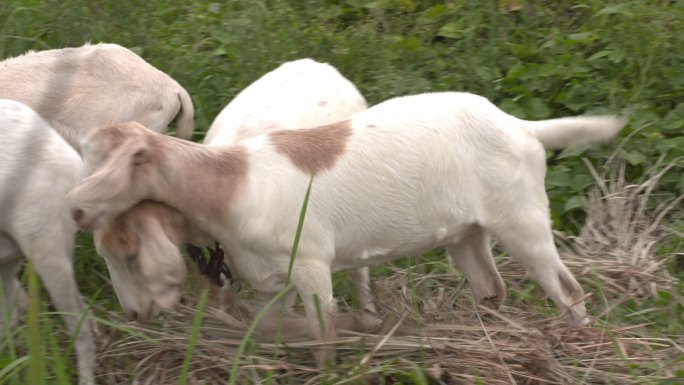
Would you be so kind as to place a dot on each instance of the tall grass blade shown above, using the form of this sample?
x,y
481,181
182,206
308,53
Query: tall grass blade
x,y
81,320
59,360
252,327
9,371
7,335
192,343
36,364
300,225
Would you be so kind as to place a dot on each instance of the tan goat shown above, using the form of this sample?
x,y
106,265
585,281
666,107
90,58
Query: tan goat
x,y
77,89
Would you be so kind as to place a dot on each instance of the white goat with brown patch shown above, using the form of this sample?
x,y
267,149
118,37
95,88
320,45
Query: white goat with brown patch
x,y
37,168
77,89
403,177
297,94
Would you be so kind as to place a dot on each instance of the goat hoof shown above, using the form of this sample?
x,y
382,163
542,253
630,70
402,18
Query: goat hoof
x,y
492,302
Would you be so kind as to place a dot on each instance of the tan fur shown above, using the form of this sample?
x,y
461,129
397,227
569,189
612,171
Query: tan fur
x,y
82,88
313,150
102,142
119,237
160,156
225,174
124,227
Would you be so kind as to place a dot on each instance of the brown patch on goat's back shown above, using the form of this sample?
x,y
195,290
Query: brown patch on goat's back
x,y
314,149
230,173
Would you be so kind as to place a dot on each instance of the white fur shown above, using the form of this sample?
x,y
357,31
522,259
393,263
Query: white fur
x,y
298,94
77,89
417,172
37,168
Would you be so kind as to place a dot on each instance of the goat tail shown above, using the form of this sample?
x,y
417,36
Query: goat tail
x,y
574,131
185,121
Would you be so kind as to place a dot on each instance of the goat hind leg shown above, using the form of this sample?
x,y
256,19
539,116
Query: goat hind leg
x,y
530,241
473,257
361,278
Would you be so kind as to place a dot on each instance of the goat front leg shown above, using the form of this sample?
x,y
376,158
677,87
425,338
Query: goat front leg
x,y
12,292
473,257
57,273
313,281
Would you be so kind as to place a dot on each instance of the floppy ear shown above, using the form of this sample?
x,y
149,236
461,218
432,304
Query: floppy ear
x,y
110,178
160,257
119,239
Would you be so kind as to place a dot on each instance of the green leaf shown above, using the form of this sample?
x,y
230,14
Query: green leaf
x,y
537,108
617,56
680,185
572,152
617,9
558,178
664,145
634,158
583,37
410,43
451,30
510,106
575,202
599,55
580,181
435,12
666,295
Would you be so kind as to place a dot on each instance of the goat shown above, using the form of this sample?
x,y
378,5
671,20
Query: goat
x,y
301,93
407,175
37,169
77,89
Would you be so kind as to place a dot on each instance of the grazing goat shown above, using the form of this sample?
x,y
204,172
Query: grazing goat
x,y
297,94
37,169
403,177
77,89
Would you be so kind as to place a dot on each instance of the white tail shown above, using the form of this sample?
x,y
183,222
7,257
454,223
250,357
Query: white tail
x,y
575,131
185,121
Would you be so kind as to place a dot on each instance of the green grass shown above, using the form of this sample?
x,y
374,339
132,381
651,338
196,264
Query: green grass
x,y
534,59
196,327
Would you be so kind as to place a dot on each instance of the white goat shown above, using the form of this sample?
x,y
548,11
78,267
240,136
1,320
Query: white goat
x,y
77,89
398,179
37,168
297,94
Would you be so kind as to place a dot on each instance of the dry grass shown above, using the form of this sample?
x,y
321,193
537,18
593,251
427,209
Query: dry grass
x,y
619,239
432,333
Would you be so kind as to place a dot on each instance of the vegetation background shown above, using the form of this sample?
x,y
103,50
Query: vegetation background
x,y
535,59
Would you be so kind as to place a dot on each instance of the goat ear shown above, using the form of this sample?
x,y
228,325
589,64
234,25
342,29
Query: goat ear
x,y
140,157
129,241
118,238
